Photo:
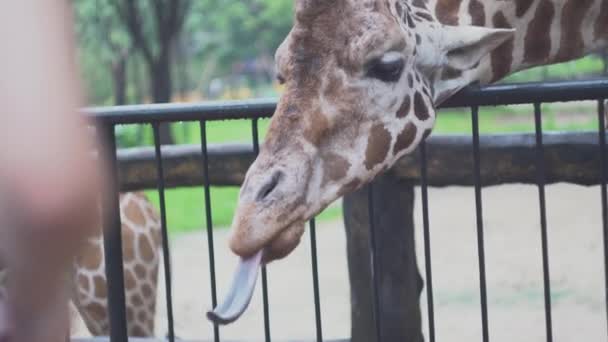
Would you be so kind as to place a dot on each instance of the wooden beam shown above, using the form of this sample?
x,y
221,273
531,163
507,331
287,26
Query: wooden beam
x,y
397,277
183,166
569,157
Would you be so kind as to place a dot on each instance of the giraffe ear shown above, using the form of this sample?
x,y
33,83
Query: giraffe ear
x,y
465,46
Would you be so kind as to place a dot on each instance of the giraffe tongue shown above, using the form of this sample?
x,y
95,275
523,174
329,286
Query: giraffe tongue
x,y
239,296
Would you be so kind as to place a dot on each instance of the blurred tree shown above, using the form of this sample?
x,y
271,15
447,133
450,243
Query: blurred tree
x,y
100,38
239,31
154,27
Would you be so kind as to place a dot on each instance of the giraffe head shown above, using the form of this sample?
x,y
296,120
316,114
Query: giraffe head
x,y
361,83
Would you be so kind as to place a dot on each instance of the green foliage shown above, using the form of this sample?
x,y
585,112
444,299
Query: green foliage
x,y
241,29
100,39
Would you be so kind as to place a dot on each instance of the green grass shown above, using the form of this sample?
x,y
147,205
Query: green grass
x,y
186,206
585,66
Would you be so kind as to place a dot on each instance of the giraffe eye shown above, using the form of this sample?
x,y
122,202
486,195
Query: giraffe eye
x,y
388,68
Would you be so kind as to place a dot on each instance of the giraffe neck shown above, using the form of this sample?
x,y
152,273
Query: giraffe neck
x,y
547,31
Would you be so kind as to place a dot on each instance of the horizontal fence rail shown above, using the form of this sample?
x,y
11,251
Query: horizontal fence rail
x,y
569,157
251,109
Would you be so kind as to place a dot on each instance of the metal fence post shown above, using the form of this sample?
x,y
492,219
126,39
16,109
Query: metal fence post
x,y
113,244
399,282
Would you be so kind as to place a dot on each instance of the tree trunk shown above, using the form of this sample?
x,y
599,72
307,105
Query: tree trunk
x,y
119,73
161,91
399,282
605,60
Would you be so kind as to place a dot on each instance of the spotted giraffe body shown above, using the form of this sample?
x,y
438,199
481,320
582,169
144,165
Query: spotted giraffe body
x,y
141,238
362,81
546,31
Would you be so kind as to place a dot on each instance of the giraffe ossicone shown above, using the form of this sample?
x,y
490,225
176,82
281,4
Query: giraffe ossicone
x,y
362,81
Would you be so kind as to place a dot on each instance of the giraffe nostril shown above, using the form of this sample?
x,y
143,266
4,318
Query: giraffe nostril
x,y
270,185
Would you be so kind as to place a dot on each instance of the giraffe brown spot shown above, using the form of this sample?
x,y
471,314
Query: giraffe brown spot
x,y
405,138
137,300
447,11
83,283
478,15
404,110
502,56
145,248
130,314
140,271
152,306
128,249
601,23
334,85
101,290
522,7
133,213
572,43
410,20
418,39
142,316
90,261
399,9
419,3
96,311
156,236
130,282
146,290
425,16
138,331
410,80
317,125
335,167
538,37
378,144
420,108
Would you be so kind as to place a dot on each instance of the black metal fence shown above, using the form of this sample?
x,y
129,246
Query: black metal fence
x,y
537,158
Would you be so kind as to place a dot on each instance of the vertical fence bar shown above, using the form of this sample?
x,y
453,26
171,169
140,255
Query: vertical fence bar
x,y
209,220
113,245
256,150
315,280
163,217
540,176
427,240
602,135
479,215
375,264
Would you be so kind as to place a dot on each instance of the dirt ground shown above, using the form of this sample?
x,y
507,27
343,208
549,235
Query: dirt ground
x,y
514,273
